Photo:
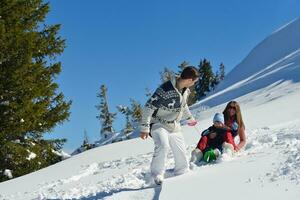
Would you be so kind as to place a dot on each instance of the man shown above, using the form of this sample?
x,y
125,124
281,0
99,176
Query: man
x,y
161,115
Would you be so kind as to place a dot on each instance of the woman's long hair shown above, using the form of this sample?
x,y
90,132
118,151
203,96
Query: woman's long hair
x,y
238,114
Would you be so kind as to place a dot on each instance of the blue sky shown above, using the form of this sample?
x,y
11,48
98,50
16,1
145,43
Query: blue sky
x,y
125,44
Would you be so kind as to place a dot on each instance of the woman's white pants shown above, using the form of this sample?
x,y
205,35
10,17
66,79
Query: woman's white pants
x,y
163,141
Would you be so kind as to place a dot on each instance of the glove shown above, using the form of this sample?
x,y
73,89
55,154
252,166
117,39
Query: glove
x,y
209,156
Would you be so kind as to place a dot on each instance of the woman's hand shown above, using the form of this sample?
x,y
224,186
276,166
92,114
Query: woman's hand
x,y
236,149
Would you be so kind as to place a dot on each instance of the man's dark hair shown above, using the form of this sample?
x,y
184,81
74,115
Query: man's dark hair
x,y
189,72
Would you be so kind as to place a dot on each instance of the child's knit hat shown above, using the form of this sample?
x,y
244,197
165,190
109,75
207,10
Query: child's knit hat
x,y
218,118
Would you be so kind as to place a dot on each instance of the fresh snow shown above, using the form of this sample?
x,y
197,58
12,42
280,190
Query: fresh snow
x,y
62,154
8,173
266,84
31,155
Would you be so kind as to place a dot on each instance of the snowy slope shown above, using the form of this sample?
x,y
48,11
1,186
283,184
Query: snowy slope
x,y
266,83
275,60
116,137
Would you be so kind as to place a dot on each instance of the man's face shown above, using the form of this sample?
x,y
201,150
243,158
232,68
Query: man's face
x,y
191,82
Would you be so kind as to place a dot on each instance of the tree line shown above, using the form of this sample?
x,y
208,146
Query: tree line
x,y
208,80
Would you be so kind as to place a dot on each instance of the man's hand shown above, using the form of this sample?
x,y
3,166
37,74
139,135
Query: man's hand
x,y
144,135
192,122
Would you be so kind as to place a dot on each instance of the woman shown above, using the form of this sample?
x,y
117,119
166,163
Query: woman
x,y
233,117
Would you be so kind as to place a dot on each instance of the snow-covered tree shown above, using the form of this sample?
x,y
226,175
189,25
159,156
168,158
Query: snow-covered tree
x,y
221,72
106,118
86,144
136,113
127,112
166,75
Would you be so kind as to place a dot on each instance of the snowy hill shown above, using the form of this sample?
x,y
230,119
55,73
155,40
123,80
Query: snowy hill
x,y
266,83
116,137
273,61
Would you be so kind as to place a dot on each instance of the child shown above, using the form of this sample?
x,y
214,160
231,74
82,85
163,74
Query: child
x,y
212,141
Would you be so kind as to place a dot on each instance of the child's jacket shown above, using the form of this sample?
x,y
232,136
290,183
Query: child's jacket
x,y
223,135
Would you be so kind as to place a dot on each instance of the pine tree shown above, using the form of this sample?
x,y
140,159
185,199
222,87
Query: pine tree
x,y
106,118
86,144
206,77
29,102
166,75
127,112
222,72
182,66
215,80
136,109
218,77
192,99
148,92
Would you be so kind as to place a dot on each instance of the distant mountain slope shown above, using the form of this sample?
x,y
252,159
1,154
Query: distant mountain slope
x,y
273,61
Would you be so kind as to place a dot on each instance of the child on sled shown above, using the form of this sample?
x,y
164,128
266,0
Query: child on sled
x,y
214,140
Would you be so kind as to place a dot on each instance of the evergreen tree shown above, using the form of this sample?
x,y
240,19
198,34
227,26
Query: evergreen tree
x,y
218,77
215,81
127,112
182,66
29,102
166,75
222,72
192,99
206,77
106,118
86,144
148,92
136,109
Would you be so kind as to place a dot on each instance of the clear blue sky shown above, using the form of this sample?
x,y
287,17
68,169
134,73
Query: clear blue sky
x,y
125,44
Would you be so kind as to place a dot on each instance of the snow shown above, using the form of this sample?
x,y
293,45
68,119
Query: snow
x,y
266,84
4,103
31,155
17,141
8,173
62,154
115,137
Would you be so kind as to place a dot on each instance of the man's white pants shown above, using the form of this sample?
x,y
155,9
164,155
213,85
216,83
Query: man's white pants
x,y
163,141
